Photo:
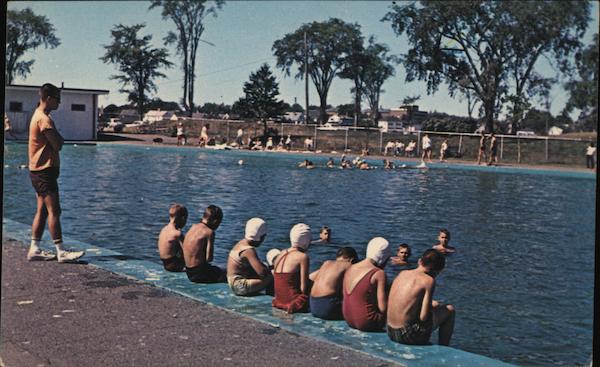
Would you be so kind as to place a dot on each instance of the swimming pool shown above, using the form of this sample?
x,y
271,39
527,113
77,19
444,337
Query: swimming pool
x,y
522,280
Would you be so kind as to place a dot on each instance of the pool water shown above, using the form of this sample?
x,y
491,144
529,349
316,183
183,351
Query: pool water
x,y
522,279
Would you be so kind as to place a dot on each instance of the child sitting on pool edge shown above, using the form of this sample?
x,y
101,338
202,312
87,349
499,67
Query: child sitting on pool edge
x,y
198,248
246,274
291,272
170,239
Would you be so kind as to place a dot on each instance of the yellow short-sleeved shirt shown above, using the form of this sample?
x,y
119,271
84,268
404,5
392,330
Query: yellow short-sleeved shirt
x,y
41,153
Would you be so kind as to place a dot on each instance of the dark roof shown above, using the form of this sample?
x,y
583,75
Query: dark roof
x,y
36,87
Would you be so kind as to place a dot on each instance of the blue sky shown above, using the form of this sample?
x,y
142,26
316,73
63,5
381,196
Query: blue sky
x,y
243,34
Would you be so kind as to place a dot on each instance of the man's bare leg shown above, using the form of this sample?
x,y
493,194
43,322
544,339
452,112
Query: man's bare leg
x,y
51,201
39,220
443,317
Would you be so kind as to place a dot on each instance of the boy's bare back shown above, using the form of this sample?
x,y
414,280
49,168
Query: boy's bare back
x,y
409,291
330,278
169,241
195,245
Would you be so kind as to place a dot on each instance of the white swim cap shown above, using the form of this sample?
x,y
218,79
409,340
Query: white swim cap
x,y
255,229
300,236
378,250
271,255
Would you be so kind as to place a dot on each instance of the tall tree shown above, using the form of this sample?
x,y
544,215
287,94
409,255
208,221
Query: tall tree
x,y
354,68
379,67
329,43
188,17
260,98
136,61
494,45
25,31
583,89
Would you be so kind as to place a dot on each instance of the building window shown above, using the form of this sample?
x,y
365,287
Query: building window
x,y
15,107
77,107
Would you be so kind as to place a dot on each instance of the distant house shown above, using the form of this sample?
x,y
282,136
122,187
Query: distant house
x,y
555,131
408,113
157,115
128,116
76,117
295,117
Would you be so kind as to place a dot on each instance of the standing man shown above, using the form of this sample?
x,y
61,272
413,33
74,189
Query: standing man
x,y
426,145
590,155
45,142
239,138
493,150
181,138
481,153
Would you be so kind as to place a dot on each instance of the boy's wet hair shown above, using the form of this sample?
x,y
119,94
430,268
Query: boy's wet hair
x,y
213,214
49,90
433,259
348,253
403,245
178,211
445,231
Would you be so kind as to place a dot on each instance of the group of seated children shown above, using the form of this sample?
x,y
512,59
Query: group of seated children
x,y
344,288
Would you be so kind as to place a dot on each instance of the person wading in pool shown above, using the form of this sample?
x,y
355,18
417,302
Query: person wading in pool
x,y
290,273
402,255
198,248
171,238
443,240
412,313
365,300
45,143
326,293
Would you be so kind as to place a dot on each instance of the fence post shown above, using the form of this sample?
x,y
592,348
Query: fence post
x,y
459,144
346,141
419,143
518,150
380,142
315,144
546,149
501,147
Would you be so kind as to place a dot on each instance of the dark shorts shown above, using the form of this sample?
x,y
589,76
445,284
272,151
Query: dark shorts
x,y
206,273
174,264
45,181
326,308
417,333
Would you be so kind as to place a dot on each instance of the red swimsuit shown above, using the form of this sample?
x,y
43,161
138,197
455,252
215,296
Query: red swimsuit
x,y
360,306
288,295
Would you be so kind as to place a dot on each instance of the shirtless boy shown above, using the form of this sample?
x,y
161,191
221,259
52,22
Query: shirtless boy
x,y
412,313
402,256
326,293
443,238
198,248
246,274
171,238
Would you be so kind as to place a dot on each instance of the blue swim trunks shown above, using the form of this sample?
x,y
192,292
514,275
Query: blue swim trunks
x,y
327,308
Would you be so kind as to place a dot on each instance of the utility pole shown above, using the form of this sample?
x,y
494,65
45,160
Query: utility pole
x,y
306,116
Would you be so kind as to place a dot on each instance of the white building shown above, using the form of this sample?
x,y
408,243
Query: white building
x,y
76,117
555,131
157,115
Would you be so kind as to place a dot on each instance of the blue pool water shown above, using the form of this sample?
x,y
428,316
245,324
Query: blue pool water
x,y
522,280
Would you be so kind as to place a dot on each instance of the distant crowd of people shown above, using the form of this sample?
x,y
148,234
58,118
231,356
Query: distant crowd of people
x,y
344,288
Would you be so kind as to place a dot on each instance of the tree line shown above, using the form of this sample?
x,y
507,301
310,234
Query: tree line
x,y
486,52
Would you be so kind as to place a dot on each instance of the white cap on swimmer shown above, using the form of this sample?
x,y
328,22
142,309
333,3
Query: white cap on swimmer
x,y
255,229
300,236
378,250
271,255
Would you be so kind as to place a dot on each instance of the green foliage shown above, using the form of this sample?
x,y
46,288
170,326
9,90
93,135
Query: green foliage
x,y
583,91
25,31
188,17
158,103
136,61
213,110
449,123
346,110
295,108
328,45
380,66
488,47
261,93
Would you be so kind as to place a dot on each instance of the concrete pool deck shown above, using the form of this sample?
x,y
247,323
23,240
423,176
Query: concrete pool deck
x,y
119,310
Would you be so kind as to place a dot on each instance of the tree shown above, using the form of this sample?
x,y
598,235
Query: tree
x,y
25,31
137,63
328,44
213,110
261,93
379,67
488,47
537,121
296,108
583,91
346,109
409,100
188,17
157,103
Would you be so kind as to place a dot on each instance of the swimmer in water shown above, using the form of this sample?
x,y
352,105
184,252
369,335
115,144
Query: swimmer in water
x,y
443,239
330,163
402,256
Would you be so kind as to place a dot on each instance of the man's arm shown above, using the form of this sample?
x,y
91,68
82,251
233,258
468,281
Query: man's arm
x,y
261,270
427,299
53,136
210,247
304,270
381,298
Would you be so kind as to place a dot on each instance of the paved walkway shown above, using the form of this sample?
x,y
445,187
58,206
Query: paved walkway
x,y
79,315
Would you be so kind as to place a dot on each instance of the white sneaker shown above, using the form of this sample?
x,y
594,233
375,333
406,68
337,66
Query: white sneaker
x,y
40,255
69,256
